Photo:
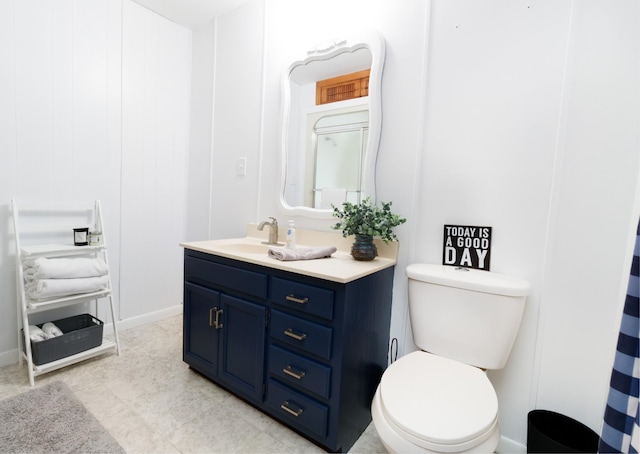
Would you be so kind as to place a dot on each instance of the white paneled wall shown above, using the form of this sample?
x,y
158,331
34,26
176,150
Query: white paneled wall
x,y
64,111
523,116
156,74
61,97
8,179
593,225
34,92
237,118
201,125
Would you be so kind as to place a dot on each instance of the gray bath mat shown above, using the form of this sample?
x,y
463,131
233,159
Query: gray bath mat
x,y
51,419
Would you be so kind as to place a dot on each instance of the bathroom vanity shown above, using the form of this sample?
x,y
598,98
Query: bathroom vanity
x,y
306,341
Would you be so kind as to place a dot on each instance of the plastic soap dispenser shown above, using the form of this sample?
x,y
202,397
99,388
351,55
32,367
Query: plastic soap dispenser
x,y
291,236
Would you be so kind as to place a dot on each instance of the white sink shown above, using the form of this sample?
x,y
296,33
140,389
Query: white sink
x,y
247,247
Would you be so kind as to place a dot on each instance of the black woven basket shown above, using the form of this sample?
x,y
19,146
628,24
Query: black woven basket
x,y
81,332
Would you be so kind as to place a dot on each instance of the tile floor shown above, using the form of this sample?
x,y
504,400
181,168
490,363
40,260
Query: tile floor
x,y
151,402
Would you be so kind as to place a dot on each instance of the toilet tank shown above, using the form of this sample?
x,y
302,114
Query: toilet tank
x,y
467,315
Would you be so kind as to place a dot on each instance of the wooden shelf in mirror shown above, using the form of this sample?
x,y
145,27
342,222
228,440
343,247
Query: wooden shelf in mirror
x,y
341,88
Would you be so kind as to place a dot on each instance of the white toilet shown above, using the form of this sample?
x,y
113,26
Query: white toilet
x,y
440,399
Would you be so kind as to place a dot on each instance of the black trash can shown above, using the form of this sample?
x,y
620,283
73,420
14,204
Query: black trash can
x,y
548,431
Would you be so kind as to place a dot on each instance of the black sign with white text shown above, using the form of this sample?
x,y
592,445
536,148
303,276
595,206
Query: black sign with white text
x,y
467,246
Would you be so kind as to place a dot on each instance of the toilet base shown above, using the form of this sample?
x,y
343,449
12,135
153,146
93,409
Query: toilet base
x,y
395,443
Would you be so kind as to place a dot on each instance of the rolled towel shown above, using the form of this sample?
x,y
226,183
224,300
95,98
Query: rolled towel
x,y
64,268
304,253
37,335
52,288
51,329
29,273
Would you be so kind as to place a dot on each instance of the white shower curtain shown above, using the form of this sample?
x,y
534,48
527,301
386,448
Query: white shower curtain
x,y
621,425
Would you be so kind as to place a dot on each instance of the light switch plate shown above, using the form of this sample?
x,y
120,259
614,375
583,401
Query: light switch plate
x,y
241,167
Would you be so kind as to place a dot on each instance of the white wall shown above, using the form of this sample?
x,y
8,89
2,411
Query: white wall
x,y
493,102
595,209
200,133
80,120
238,93
156,56
527,130
226,122
524,116
61,113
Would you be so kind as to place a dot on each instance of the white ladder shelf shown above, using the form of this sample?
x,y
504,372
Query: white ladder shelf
x,y
28,307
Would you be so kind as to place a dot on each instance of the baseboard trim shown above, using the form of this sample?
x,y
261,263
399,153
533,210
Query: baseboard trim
x,y
11,357
8,358
144,319
509,446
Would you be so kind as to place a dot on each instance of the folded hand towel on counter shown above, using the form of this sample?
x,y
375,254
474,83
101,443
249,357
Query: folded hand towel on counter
x,y
52,288
64,268
305,253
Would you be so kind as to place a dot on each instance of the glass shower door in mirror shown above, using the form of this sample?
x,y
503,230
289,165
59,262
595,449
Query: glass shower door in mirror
x,y
339,144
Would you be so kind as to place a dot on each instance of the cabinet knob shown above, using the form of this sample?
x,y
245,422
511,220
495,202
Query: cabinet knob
x,y
289,332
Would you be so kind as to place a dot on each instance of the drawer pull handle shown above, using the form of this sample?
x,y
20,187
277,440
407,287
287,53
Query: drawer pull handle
x,y
297,300
285,407
297,375
289,332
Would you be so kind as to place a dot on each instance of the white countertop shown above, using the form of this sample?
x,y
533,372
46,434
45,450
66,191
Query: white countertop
x,y
340,267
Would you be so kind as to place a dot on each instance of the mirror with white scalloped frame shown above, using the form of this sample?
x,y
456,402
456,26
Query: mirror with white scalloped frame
x,y
329,151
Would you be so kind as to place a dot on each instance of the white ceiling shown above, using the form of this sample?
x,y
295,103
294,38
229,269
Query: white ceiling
x,y
191,13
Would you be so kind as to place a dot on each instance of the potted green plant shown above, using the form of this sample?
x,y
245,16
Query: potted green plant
x,y
365,221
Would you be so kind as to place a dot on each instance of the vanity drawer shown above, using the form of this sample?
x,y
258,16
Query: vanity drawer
x,y
302,297
298,370
308,336
301,410
248,282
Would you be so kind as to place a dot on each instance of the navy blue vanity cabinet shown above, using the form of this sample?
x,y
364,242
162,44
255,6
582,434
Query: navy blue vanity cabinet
x,y
318,354
225,328
201,339
328,345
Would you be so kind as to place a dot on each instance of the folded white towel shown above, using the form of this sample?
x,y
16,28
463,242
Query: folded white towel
x,y
304,253
64,268
51,329
52,288
37,335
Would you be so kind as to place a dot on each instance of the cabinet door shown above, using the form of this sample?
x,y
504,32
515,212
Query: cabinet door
x,y
242,350
201,338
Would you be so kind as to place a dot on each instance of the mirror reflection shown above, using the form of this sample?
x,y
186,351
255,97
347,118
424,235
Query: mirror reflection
x,y
331,126
339,145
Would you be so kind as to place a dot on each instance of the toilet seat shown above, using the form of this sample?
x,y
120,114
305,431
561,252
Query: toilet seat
x,y
437,403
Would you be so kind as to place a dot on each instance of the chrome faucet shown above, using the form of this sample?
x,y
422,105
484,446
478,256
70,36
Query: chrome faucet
x,y
273,230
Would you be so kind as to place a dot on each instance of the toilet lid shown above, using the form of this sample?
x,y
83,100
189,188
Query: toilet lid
x,y
438,400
